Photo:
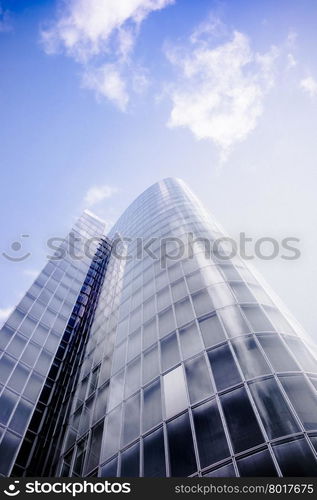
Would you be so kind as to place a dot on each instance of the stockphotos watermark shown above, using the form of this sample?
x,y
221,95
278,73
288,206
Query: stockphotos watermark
x,y
165,249
73,488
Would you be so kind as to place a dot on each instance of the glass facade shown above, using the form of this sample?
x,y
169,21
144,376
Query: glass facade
x,y
189,366
209,376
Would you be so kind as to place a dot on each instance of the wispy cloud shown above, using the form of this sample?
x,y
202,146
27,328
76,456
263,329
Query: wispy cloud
x,y
96,194
100,35
220,92
4,314
309,85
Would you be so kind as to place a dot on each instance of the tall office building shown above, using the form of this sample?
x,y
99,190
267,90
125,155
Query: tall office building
x,y
182,362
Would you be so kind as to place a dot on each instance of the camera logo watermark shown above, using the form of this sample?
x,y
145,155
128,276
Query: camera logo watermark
x,y
12,491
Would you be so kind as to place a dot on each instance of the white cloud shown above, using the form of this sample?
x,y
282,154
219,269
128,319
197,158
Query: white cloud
x,y
291,61
107,82
309,85
220,93
4,314
100,34
96,194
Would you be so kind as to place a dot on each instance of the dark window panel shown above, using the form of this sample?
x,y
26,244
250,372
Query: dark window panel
x,y
296,459
223,367
181,448
154,455
198,379
257,465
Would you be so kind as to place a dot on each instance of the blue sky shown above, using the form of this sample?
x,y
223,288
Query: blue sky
x,y
101,98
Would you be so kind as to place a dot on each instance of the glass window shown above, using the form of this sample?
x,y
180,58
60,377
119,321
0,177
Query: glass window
x,y
296,459
148,309
223,367
18,378
275,414
154,455
181,448
195,281
21,416
130,462
112,437
179,289
202,302
174,392
169,352
211,439
233,321
302,354
242,292
80,457
116,390
134,346
150,364
303,398
250,357
6,366
149,333
230,272
243,426
152,408
132,380
190,340
211,330
6,334
163,298
7,402
135,320
277,353
33,387
44,362
258,320
94,448
278,320
221,295
198,379
119,357
223,471
110,469
8,448
166,322
131,425
184,312
257,465
17,345
101,401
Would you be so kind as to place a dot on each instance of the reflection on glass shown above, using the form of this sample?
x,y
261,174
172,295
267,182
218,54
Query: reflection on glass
x,y
154,455
303,398
276,416
131,424
211,330
198,379
277,353
250,358
243,426
257,465
181,448
169,352
258,320
211,439
190,340
295,459
152,406
130,460
223,367
233,321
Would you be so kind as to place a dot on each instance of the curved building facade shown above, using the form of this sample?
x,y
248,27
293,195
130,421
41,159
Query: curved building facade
x,y
192,367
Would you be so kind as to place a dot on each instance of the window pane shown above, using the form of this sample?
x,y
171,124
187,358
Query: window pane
x,y
243,426
202,303
302,354
134,346
211,330
94,448
163,298
181,448
80,457
223,367
174,392
221,295
233,321
211,439
166,322
259,322
303,398
109,469
190,340
7,402
154,455
111,443
296,459
131,426
250,357
224,471
149,333
132,380
258,464
277,353
278,319
18,378
198,379
116,390
6,366
169,352
179,289
184,312
242,292
130,460
152,409
150,364
276,416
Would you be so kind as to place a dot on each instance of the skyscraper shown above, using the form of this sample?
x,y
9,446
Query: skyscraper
x,y
185,362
